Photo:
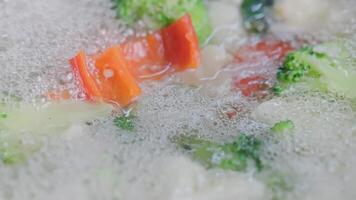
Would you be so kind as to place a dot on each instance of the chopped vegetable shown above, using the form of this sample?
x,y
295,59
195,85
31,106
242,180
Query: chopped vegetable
x,y
326,67
181,44
252,86
145,57
3,115
161,13
81,72
125,122
26,127
111,81
115,81
263,54
174,48
12,156
237,156
262,51
277,90
254,15
232,156
152,56
283,126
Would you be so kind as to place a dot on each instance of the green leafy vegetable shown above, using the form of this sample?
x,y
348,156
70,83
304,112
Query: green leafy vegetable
x,y
277,89
160,13
235,156
25,128
3,115
125,122
12,157
254,15
328,67
283,126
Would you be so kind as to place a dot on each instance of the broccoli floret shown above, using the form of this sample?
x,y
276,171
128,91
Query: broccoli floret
x,y
283,126
160,13
125,122
254,15
229,156
326,67
237,156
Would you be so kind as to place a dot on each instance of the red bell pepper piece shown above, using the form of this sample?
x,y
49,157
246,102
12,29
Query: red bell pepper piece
x,y
111,81
81,73
259,55
273,50
175,46
250,86
145,57
181,44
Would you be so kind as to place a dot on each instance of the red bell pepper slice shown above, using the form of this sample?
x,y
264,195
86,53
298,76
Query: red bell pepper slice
x,y
175,46
145,57
251,86
266,50
111,81
181,44
81,73
259,55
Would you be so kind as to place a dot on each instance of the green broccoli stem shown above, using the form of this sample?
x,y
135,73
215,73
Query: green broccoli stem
x,y
234,156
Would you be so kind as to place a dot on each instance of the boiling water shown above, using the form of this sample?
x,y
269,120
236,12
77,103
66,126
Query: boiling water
x,y
99,161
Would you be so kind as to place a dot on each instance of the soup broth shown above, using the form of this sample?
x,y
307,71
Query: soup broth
x,y
95,159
